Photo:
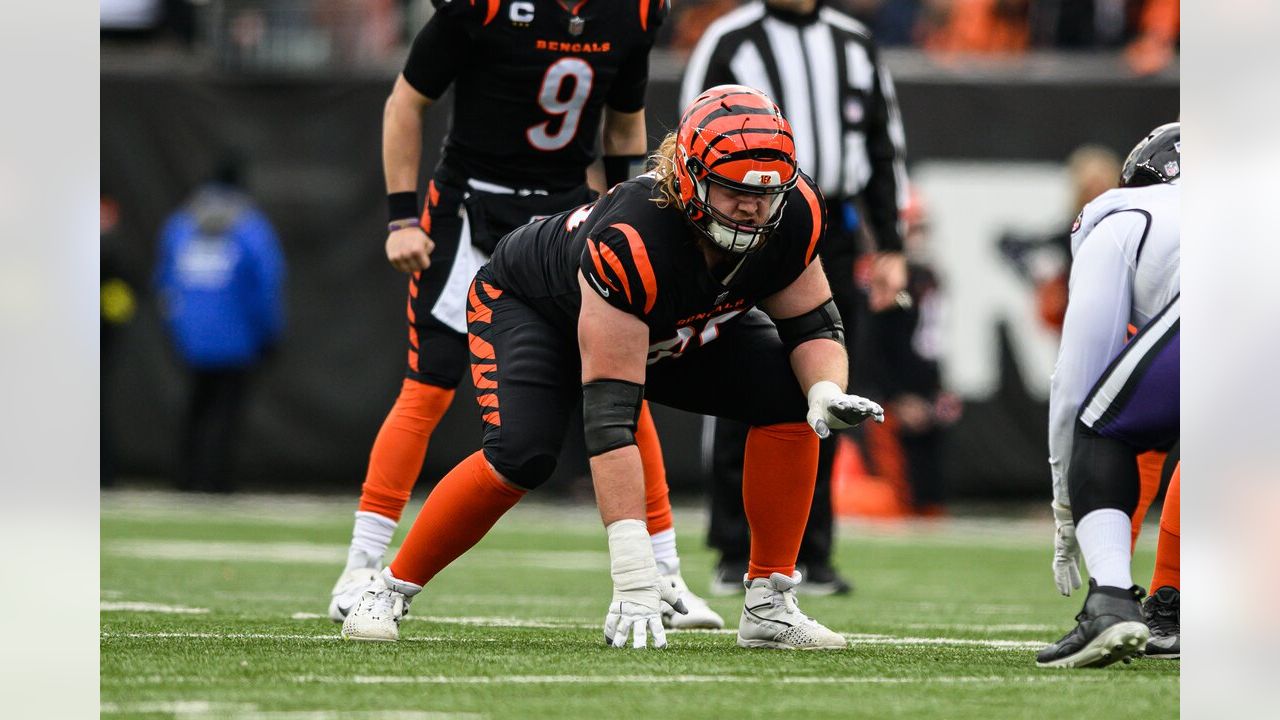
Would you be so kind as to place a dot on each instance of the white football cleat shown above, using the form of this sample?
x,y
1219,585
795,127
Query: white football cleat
x,y
347,591
772,619
378,612
700,615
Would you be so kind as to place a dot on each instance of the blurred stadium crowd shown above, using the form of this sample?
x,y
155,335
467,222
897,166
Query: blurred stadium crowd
x,y
300,33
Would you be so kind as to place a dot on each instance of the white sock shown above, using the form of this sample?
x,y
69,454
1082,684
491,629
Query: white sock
x,y
1104,537
664,552
369,539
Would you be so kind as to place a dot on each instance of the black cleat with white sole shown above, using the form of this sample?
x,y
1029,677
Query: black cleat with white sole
x,y
1109,629
1161,611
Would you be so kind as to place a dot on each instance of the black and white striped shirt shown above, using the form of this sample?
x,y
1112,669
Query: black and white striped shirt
x,y
824,72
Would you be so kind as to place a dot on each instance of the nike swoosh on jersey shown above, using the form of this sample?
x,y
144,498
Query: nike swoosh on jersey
x,y
603,291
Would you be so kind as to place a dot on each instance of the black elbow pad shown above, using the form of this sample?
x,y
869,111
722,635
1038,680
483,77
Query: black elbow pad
x,y
820,322
610,411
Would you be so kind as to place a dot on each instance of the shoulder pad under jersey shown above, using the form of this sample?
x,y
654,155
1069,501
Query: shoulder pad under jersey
x,y
1114,201
481,12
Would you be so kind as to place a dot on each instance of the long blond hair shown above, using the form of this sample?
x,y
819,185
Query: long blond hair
x,y
664,169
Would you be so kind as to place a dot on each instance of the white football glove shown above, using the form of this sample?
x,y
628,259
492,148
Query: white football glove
x,y
638,589
1066,551
830,408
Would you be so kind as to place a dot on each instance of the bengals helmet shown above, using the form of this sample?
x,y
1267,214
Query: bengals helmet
x,y
1156,159
734,136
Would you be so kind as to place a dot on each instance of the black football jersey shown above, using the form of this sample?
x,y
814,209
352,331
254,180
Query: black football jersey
x,y
645,260
531,79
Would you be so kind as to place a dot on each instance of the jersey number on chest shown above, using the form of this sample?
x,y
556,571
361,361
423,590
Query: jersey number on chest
x,y
685,334
563,104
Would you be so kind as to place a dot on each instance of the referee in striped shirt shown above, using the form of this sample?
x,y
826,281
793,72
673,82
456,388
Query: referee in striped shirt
x,y
823,69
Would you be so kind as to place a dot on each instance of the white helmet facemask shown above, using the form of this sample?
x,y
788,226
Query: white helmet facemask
x,y
736,236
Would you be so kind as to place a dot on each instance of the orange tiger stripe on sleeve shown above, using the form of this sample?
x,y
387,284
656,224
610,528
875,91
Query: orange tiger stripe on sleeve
x,y
616,264
815,208
640,257
595,259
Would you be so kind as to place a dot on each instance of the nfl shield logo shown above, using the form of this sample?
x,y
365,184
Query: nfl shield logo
x,y
853,111
1171,168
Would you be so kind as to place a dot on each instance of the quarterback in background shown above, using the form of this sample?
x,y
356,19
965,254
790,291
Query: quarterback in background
x,y
652,292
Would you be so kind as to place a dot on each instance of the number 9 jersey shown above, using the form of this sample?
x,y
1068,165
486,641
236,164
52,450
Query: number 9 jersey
x,y
531,78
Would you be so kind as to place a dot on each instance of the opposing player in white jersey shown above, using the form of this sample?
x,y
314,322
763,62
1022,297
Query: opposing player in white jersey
x,y
1110,399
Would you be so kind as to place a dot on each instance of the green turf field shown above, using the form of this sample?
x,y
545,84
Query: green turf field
x,y
214,609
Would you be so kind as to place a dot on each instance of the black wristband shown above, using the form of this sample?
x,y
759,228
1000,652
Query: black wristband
x,y
619,168
402,205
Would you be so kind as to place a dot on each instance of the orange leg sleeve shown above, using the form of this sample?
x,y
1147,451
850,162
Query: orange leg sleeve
x,y
657,504
459,511
401,446
1168,551
778,473
1149,466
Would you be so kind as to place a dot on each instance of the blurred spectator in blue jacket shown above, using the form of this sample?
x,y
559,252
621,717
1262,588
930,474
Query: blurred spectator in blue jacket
x,y
219,281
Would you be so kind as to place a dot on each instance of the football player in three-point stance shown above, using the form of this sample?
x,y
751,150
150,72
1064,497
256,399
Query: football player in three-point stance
x,y
653,292
531,80
1110,400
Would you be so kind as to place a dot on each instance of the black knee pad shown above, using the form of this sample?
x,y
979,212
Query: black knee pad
x,y
528,472
1103,474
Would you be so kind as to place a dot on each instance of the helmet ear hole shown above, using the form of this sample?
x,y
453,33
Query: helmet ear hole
x,y
696,169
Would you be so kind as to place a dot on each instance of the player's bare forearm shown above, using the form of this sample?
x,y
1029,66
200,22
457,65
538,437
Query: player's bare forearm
x,y
624,133
818,360
614,346
402,136
618,478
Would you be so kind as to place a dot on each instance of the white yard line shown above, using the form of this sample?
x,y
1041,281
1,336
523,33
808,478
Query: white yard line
x,y
678,679
893,640
249,711
868,639
890,640
201,550
180,708
481,621
972,627
158,635
216,636
1046,677
146,607
293,553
